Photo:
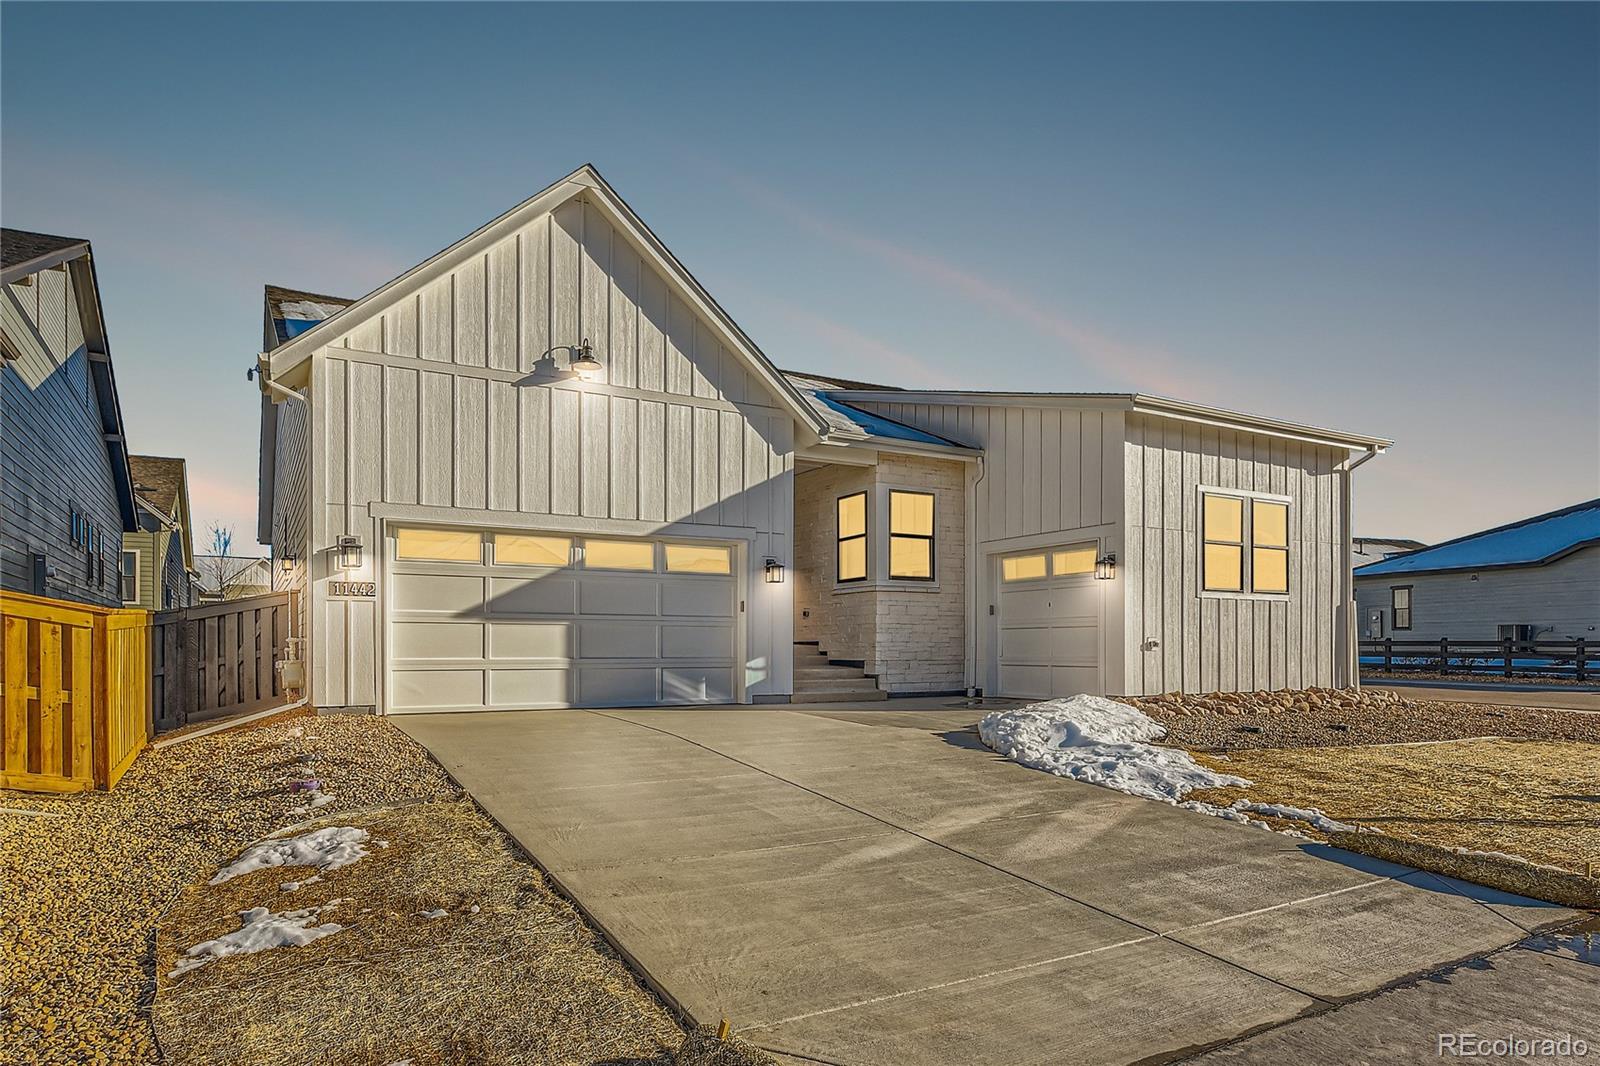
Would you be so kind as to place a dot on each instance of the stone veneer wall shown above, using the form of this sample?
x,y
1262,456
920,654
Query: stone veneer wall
x,y
911,636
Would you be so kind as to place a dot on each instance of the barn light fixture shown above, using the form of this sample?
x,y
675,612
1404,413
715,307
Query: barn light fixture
x,y
583,361
1105,567
349,552
774,572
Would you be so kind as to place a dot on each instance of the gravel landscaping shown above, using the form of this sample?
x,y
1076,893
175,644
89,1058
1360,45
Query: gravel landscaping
x,y
104,892
1335,718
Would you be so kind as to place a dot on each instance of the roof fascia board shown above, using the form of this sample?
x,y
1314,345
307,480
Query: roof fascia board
x,y
91,312
1085,400
957,452
12,274
1272,427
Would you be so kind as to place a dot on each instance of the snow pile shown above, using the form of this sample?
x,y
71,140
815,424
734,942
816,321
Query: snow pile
x,y
259,930
316,798
326,849
1101,742
1312,816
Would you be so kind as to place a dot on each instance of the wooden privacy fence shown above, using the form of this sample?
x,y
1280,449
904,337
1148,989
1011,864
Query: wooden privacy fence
x,y
74,687
217,659
1573,659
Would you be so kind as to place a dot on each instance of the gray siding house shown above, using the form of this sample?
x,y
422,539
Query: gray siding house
x,y
1537,579
66,494
158,563
545,468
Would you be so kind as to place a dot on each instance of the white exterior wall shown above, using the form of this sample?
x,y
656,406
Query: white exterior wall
x,y
1561,598
1051,474
441,409
1175,638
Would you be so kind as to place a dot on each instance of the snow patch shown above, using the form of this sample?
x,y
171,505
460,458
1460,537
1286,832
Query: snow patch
x,y
1100,742
318,798
326,849
295,886
437,912
259,930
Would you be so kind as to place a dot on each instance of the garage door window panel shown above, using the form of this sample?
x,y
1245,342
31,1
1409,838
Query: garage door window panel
x,y
439,545
1072,561
516,549
619,555
1024,567
698,559
910,536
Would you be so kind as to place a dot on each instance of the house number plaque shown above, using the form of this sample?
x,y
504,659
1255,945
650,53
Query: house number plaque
x,y
353,588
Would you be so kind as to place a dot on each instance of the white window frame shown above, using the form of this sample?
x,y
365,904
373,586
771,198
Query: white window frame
x,y
138,561
1247,562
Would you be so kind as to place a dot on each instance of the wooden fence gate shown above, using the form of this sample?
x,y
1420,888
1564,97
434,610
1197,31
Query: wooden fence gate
x,y
217,659
73,682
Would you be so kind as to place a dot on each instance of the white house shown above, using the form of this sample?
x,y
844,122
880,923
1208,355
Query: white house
x,y
1537,579
545,468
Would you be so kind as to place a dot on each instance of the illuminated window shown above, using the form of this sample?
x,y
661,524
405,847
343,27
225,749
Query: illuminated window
x,y
619,555
1024,567
1224,543
699,559
851,533
911,536
1078,559
1244,548
520,549
1269,546
1400,606
441,545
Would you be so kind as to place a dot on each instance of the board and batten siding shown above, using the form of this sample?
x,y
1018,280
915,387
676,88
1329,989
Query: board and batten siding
x,y
1174,638
444,405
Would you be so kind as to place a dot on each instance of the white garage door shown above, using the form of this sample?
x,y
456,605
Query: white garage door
x,y
1048,623
494,620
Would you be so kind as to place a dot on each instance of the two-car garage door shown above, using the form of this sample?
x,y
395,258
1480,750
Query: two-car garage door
x,y
485,620
1048,623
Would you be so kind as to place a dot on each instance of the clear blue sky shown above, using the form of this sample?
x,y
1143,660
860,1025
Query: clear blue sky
x,y
1380,218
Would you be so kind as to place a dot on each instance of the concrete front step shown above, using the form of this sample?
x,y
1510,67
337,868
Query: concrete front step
x,y
801,696
841,684
825,670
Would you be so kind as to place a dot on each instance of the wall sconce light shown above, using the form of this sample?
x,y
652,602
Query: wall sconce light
x,y
1105,567
349,552
582,361
774,572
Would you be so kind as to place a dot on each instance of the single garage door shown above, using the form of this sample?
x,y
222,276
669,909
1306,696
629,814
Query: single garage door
x,y
1048,621
498,620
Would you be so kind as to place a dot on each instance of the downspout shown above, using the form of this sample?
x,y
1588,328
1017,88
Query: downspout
x,y
973,618
1352,635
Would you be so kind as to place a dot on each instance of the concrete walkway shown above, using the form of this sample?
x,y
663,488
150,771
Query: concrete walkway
x,y
871,886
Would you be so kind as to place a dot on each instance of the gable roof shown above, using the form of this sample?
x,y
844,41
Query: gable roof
x,y
159,480
294,311
24,252
1531,542
586,179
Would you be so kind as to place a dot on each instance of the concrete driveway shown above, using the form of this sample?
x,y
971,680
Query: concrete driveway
x,y
872,886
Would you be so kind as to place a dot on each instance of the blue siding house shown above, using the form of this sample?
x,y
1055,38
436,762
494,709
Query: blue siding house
x,y
66,493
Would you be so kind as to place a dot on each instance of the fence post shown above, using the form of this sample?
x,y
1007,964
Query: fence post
x,y
1508,644
1388,655
1444,655
1583,660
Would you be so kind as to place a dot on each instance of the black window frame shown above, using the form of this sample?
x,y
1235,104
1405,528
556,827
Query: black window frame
x,y
933,506
839,540
1395,609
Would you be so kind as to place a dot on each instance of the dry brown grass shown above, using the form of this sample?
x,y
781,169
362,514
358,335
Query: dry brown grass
x,y
1537,800
523,980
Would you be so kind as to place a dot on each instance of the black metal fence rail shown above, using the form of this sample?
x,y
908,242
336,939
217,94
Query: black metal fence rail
x,y
1575,659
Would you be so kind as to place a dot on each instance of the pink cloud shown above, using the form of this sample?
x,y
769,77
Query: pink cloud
x,y
1147,367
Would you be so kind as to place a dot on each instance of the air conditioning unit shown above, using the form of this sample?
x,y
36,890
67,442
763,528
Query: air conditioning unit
x,y
1520,634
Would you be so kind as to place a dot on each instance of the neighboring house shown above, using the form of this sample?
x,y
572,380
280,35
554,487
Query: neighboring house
x,y
158,567
1366,550
545,468
66,495
1537,579
231,577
